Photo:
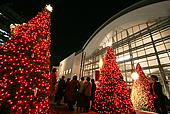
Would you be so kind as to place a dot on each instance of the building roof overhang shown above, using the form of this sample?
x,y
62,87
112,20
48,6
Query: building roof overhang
x,y
138,13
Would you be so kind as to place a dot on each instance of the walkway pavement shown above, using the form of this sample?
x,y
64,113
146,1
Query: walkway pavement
x,y
54,109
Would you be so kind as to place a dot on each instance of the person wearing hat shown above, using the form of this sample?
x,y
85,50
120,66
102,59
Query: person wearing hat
x,y
159,99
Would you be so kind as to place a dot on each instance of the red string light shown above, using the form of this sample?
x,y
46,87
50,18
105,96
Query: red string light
x,y
25,59
111,95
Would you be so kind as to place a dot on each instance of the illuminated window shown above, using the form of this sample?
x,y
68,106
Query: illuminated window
x,y
69,70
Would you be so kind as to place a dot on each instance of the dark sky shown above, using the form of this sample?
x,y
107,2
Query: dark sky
x,y
73,21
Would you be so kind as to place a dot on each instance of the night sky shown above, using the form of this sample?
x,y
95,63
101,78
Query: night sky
x,y
73,21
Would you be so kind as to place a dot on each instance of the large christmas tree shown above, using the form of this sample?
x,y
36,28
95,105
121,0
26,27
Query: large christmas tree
x,y
25,61
112,96
141,96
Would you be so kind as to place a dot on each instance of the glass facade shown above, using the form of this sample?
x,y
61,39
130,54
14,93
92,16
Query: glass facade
x,y
147,43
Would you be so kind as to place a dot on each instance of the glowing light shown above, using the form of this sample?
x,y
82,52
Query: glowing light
x,y
49,8
101,62
135,75
122,59
109,44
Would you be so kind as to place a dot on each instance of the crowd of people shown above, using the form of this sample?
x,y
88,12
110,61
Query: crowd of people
x,y
80,93
74,92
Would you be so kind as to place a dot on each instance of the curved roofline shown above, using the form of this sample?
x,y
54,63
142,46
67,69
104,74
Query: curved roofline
x,y
119,14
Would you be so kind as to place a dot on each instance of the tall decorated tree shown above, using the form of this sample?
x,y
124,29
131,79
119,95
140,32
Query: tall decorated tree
x,y
25,61
141,96
112,96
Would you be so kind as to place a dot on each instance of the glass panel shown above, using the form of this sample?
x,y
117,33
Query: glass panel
x,y
146,72
155,71
97,58
124,34
129,79
165,33
147,47
90,72
119,37
120,49
141,52
126,47
157,36
139,42
94,66
143,64
151,58
128,65
146,39
135,29
133,44
124,78
115,38
167,72
130,31
97,65
134,54
148,51
142,26
117,50
160,47
126,55
90,66
120,56
142,60
153,62
164,60
151,23
121,66
85,68
163,55
167,43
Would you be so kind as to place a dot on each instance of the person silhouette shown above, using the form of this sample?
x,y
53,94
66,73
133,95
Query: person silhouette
x,y
159,99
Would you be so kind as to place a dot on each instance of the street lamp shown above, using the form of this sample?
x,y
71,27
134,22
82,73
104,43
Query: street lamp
x,y
135,75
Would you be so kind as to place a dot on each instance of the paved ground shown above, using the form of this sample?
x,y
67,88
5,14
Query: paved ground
x,y
54,109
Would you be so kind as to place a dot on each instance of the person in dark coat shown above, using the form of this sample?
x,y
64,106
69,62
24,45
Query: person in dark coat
x,y
159,99
73,91
93,89
60,92
66,94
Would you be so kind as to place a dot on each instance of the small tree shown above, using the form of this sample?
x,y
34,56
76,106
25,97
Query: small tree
x,y
112,95
141,96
